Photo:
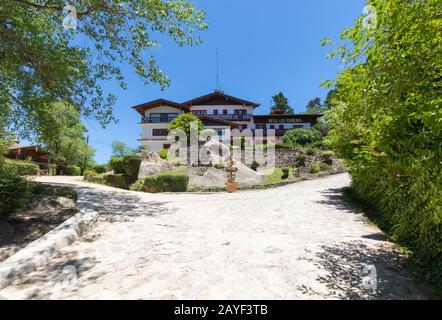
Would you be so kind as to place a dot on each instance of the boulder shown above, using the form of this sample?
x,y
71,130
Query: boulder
x,y
151,164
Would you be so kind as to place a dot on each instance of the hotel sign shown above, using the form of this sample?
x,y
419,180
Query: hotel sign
x,y
277,120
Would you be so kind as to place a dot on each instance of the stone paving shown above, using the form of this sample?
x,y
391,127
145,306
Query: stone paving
x,y
299,241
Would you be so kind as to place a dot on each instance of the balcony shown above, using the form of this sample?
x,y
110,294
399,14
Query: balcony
x,y
162,119
231,117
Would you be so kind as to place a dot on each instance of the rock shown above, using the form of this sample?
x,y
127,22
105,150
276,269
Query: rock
x,y
52,203
151,164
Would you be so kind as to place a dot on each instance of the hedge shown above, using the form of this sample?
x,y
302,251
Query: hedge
x,y
23,168
116,164
14,192
131,166
302,137
71,171
121,181
163,182
100,168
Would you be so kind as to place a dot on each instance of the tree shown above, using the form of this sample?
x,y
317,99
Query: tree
x,y
41,62
281,104
386,121
62,134
329,100
183,123
314,106
119,149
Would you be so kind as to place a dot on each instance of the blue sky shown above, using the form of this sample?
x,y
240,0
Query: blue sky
x,y
265,47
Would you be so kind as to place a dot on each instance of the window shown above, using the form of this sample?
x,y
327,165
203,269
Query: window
x,y
162,117
215,112
240,111
160,132
281,127
272,126
225,111
200,112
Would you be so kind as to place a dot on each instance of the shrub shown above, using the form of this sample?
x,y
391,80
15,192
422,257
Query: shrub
x,y
255,165
220,165
300,161
14,192
121,181
301,137
23,168
95,178
116,164
71,171
310,151
282,146
324,166
327,155
163,153
285,173
89,172
315,167
131,165
163,182
100,168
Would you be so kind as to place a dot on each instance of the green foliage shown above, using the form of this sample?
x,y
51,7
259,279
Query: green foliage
x,y
164,182
100,168
14,192
315,167
70,171
386,122
310,151
300,161
89,172
184,121
131,166
220,165
119,149
116,164
121,181
285,173
163,154
43,63
327,155
282,146
301,137
254,165
23,168
281,104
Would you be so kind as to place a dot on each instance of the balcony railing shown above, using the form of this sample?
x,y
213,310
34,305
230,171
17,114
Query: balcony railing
x,y
165,119
231,117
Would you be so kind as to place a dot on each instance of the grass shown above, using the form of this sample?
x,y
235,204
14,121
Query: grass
x,y
275,177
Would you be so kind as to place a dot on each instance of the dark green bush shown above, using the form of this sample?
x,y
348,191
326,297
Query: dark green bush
x,y
254,165
121,181
23,168
131,165
285,173
71,171
164,182
300,161
301,137
116,164
100,168
14,192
